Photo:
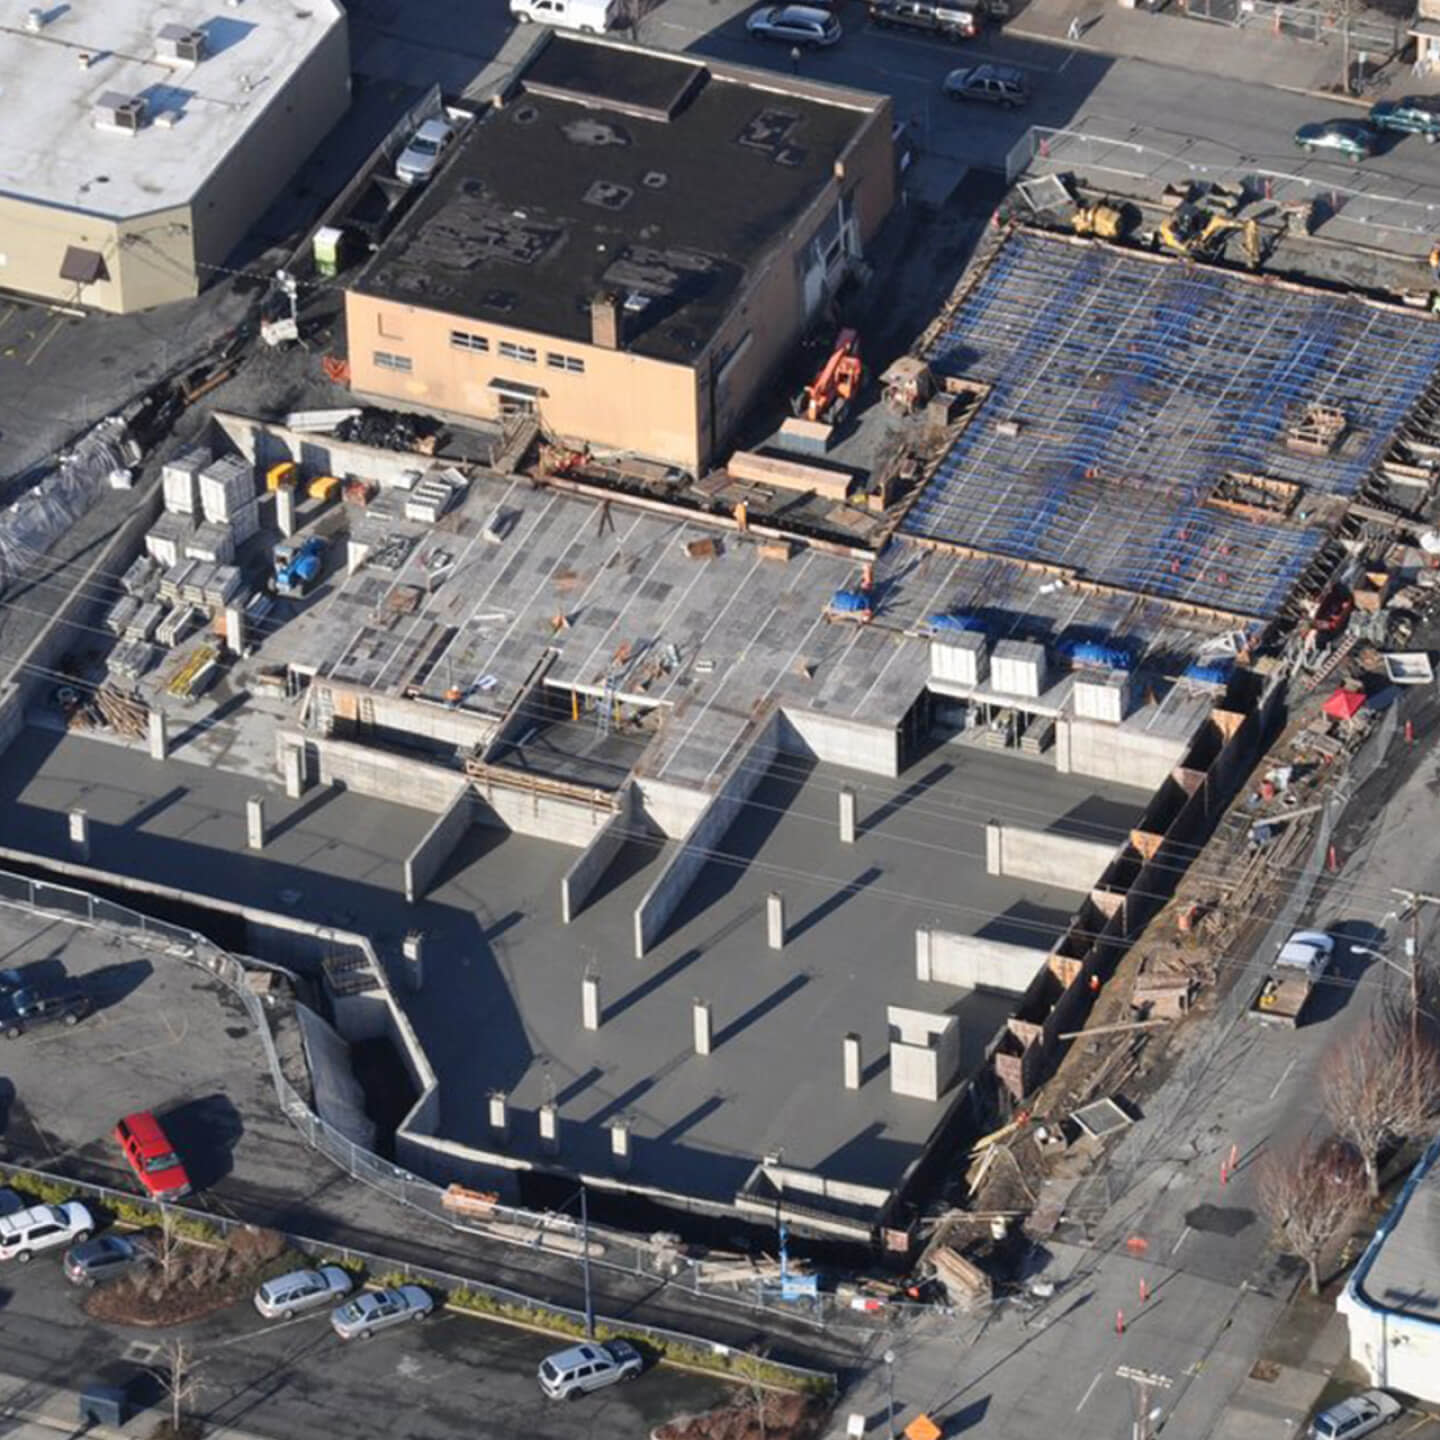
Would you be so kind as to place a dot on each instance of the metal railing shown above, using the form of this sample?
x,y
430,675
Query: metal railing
x,y
1316,23
519,1228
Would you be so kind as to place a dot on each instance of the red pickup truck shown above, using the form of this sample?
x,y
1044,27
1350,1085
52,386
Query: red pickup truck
x,y
152,1157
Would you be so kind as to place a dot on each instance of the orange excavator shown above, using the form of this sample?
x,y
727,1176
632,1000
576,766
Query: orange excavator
x,y
827,397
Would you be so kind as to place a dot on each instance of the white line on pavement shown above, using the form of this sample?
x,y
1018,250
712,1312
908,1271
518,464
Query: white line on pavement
x,y
1089,1392
1181,1240
1285,1075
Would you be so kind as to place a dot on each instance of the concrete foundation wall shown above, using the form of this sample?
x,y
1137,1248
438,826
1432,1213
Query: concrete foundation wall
x,y
671,809
1060,860
975,964
557,818
339,1096
438,843
837,741
1115,752
397,778
427,721
664,896
580,880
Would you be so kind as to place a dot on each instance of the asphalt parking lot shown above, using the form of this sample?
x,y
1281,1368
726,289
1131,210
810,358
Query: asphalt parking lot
x,y
449,1376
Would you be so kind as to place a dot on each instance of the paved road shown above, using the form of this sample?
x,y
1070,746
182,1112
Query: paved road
x,y
294,1380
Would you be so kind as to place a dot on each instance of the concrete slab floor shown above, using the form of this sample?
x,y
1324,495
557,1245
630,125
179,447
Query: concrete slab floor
x,y
773,1080
501,1008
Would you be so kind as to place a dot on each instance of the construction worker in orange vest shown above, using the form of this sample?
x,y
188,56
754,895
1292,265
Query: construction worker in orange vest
x,y
1435,260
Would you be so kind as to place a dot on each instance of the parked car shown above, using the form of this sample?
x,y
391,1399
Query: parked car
x,y
379,1309
421,157
1354,139
152,1157
1357,1416
1002,85
570,1373
43,1227
26,1009
290,1295
590,17
103,1258
1410,115
801,25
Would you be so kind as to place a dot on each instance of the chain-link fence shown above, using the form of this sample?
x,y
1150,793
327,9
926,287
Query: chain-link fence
x,y
548,1232
1374,35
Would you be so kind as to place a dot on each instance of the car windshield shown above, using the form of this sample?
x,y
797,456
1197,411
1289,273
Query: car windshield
x,y
1325,1427
549,1371
422,146
168,1161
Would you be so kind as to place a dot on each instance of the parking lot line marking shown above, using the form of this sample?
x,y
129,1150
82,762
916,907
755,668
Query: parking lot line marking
x,y
11,311
1284,1076
1181,1240
45,339
1090,1390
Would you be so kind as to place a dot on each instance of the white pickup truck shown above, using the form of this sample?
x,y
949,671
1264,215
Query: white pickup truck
x,y
1293,975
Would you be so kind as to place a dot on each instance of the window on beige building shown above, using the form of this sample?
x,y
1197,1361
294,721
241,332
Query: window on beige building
x,y
386,360
466,340
509,350
573,363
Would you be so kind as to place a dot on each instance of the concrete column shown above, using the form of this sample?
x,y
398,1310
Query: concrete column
x,y
703,1028
285,509
413,949
620,1144
994,849
550,1128
923,965
80,834
590,1002
159,735
775,920
292,763
852,1061
235,629
255,822
847,816
499,1115
1062,747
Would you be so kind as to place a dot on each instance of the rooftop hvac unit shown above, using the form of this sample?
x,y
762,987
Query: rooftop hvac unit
x,y
177,42
120,112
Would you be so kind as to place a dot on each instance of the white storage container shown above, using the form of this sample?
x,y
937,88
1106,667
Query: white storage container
x,y
1017,667
180,480
225,485
963,658
167,536
1102,697
212,543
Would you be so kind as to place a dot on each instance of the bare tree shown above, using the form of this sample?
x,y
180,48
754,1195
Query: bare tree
x,y
1307,1198
167,1248
749,1367
180,1375
1383,1085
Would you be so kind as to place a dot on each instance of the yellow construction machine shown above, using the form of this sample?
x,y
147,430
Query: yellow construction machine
x,y
1101,219
1202,234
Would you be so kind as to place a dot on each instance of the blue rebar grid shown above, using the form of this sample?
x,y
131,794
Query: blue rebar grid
x,y
1157,379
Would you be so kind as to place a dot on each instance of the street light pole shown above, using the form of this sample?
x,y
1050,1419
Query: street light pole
x,y
889,1358
585,1265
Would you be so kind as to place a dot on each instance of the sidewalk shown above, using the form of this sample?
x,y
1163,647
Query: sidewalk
x,y
30,1410
1252,54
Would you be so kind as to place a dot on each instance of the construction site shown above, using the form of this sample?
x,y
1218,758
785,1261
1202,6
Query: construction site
x,y
761,838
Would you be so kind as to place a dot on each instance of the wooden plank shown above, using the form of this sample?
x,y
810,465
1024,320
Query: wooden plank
x,y
789,474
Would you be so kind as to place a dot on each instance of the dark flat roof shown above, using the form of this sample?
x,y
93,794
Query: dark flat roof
x,y
579,185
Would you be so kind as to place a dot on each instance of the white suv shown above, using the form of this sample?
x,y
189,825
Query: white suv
x,y
43,1227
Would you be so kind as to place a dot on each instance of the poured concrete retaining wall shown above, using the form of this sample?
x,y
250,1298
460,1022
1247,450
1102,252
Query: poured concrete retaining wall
x,y
558,818
1046,858
837,741
438,843
1116,752
975,964
672,809
580,880
747,770
417,718
378,773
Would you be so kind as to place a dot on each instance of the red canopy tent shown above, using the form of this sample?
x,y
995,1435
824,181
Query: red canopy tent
x,y
1345,704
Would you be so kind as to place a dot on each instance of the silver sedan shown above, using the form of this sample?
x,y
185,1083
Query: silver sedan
x,y
378,1309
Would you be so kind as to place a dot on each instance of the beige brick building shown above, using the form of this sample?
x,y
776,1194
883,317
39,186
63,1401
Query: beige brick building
x,y
627,244
142,141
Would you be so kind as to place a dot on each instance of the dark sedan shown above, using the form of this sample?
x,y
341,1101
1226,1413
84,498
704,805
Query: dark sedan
x,y
1354,139
103,1258
24,1009
1410,115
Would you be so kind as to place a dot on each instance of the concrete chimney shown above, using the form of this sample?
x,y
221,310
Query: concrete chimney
x,y
550,1128
607,315
499,1115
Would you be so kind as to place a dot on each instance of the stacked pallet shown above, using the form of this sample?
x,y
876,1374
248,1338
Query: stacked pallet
x,y
121,613
212,542
180,480
166,539
967,1285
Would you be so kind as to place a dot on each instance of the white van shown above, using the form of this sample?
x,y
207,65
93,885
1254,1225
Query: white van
x,y
590,16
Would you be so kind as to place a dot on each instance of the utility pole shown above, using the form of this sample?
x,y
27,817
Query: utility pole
x,y
585,1265
1414,899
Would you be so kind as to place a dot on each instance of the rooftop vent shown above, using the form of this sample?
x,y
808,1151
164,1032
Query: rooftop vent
x,y
35,20
180,44
608,195
115,111
654,179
